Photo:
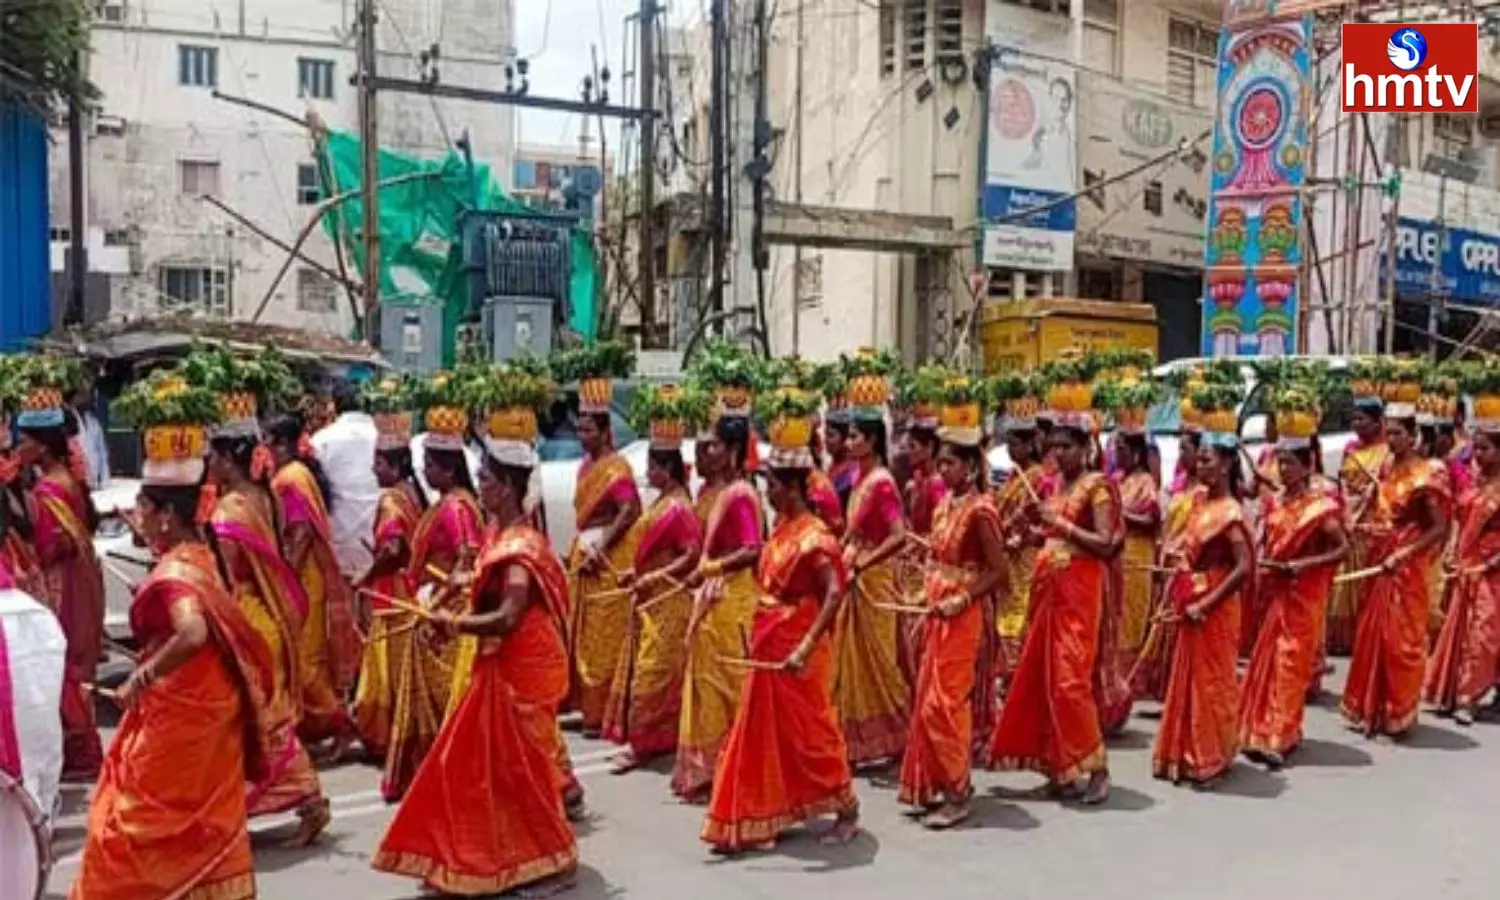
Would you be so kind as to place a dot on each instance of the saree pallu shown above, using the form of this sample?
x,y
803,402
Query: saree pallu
x,y
601,615
711,687
167,819
956,678
1155,666
268,594
823,497
1287,654
645,699
1388,667
1344,605
869,690
484,813
1011,606
72,586
375,696
785,760
328,644
1049,722
1464,660
1138,497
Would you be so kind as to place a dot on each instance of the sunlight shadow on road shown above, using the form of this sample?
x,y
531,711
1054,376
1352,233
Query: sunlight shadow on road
x,y
1327,754
1244,780
991,813
1426,737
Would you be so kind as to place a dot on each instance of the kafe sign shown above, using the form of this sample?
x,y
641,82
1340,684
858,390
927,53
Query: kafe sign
x,y
1465,263
1158,216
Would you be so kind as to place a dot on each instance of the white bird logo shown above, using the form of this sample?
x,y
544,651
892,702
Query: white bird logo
x,y
1407,49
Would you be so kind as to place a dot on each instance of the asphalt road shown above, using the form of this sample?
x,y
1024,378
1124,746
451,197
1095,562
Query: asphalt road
x,y
1349,818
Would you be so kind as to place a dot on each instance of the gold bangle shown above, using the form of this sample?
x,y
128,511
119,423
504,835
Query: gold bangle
x,y
711,568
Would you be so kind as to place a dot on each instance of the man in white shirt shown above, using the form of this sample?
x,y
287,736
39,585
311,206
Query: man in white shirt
x,y
91,435
346,449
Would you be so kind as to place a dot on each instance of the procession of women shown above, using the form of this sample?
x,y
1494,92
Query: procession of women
x,y
847,594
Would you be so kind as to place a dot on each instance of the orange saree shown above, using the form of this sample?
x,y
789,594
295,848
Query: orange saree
x,y
1155,666
72,585
1139,497
645,700
1288,648
785,759
422,675
601,616
956,677
732,518
1360,461
1198,738
1049,722
1017,510
1463,665
484,814
869,690
168,817
1387,669
823,498
328,645
396,517
268,594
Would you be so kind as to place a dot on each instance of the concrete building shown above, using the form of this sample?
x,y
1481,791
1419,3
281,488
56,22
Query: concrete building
x,y
161,140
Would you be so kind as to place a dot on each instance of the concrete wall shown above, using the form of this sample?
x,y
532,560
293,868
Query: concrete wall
x,y
149,123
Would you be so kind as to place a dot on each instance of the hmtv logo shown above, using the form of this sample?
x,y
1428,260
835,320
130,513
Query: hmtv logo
x,y
1423,68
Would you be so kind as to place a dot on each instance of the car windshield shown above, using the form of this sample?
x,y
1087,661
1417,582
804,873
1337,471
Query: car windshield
x,y
560,428
1165,417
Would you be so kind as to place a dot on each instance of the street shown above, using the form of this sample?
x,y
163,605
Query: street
x,y
1350,818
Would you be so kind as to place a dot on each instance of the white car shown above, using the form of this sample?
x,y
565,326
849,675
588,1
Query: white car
x,y
125,564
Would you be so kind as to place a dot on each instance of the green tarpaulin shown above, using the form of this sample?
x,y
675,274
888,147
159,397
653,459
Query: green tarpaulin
x,y
419,237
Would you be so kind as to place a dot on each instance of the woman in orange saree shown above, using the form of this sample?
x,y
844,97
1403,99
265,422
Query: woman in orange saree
x,y
869,690
605,506
69,578
922,495
484,814
423,674
645,704
1154,667
957,668
329,645
729,508
401,505
269,595
785,760
1403,531
1364,457
1018,513
1215,558
1049,722
1141,504
168,818
1302,543
1464,662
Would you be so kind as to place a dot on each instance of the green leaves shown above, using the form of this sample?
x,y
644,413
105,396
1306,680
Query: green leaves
x,y
166,398
41,45
722,363
604,359
1218,395
1013,386
388,395
1113,394
265,374
785,404
690,405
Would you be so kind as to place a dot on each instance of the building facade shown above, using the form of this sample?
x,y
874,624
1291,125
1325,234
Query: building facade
x,y
161,142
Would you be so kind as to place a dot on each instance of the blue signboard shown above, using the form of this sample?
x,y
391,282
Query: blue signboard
x,y
1466,262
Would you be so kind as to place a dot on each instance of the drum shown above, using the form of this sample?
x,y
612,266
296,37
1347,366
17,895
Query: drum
x,y
25,855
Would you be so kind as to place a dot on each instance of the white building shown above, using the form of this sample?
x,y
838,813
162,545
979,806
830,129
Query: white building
x,y
161,140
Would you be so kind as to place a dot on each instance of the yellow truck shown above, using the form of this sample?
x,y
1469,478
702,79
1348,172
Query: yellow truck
x,y
1022,334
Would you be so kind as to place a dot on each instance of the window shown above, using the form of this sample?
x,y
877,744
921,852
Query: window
x,y
914,50
111,12
1151,198
60,235
198,178
810,277
1192,61
315,78
1056,7
950,32
316,292
197,66
887,38
308,193
1101,35
201,287
1452,130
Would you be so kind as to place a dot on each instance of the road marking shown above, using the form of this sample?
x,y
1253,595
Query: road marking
x,y
342,812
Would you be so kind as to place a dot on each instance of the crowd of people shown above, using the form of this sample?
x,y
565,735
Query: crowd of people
x,y
893,609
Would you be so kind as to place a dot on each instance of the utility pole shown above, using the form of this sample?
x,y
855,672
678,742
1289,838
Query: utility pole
x,y
717,100
78,253
646,233
760,167
797,285
369,143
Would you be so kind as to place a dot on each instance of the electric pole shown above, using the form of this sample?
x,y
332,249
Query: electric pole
x,y
646,232
719,43
369,144
78,253
760,167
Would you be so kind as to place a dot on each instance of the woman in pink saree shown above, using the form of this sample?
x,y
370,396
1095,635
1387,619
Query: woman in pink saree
x,y
70,579
329,644
266,589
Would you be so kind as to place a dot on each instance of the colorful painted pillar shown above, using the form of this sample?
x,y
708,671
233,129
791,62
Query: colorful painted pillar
x,y
1253,251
